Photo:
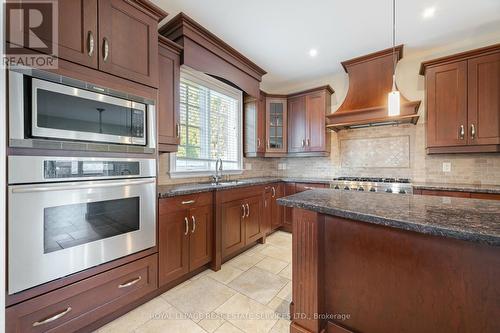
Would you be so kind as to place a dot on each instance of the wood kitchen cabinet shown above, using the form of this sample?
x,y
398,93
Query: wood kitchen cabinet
x,y
168,95
277,211
276,126
292,188
184,235
118,37
458,194
463,102
255,125
240,219
307,131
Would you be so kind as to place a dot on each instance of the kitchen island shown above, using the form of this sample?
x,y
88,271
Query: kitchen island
x,y
376,262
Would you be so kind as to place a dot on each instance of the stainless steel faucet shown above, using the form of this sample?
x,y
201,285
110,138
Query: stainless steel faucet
x,y
218,167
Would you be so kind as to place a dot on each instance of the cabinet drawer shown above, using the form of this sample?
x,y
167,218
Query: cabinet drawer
x,y
184,202
301,187
75,306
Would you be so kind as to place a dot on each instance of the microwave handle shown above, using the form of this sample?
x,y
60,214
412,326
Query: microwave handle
x,y
73,186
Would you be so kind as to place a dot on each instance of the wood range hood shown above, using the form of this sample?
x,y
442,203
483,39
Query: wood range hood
x,y
370,81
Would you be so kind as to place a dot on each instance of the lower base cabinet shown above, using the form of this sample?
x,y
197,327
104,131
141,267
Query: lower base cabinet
x,y
459,194
78,305
185,235
292,188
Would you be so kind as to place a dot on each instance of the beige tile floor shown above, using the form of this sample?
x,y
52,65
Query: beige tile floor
x,y
250,294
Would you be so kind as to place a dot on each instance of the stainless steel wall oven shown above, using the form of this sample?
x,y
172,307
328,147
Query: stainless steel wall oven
x,y
67,214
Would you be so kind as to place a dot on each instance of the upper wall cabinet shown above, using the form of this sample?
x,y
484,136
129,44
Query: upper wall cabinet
x,y
115,36
463,102
255,125
307,133
276,126
129,41
168,95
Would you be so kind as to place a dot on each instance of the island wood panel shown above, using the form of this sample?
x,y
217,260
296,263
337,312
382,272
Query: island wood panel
x,y
391,280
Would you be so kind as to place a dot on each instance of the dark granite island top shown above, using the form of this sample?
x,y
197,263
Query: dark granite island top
x,y
377,262
465,219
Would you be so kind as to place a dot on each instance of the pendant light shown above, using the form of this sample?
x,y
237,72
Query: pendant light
x,y
393,100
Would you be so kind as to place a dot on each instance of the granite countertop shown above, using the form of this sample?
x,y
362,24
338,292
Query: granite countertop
x,y
166,191
465,219
457,187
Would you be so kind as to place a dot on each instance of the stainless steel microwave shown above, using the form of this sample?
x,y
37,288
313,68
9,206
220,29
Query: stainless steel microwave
x,y
44,106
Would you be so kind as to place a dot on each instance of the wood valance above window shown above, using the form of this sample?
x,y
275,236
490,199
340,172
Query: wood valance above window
x,y
205,52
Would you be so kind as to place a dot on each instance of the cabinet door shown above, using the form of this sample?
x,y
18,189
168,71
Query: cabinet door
x,y
289,190
261,124
276,114
267,214
316,127
200,242
447,105
233,235
168,100
132,42
173,246
253,219
484,99
277,210
77,31
297,124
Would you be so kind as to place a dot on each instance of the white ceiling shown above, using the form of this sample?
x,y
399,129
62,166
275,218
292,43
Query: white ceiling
x,y
278,34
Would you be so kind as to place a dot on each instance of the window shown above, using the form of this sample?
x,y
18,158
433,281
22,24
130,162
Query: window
x,y
211,126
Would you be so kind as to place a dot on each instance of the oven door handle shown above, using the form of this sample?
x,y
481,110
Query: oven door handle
x,y
80,186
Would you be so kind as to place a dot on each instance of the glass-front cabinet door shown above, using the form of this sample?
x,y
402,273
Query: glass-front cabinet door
x,y
276,114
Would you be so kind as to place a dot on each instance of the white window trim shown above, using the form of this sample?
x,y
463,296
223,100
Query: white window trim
x,y
214,84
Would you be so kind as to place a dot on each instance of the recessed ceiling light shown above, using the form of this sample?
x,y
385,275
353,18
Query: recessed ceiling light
x,y
429,12
313,52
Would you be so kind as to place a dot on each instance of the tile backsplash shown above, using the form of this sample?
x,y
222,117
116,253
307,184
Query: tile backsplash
x,y
397,151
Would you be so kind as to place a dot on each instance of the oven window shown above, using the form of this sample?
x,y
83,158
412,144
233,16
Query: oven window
x,y
72,225
72,113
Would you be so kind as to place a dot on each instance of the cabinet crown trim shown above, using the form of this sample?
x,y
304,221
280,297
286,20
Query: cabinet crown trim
x,y
152,9
458,56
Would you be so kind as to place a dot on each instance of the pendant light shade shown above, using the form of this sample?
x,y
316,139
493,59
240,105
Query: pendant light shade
x,y
393,100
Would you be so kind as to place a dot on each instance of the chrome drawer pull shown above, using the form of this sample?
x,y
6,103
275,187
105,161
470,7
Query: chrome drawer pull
x,y
90,45
51,319
187,226
473,131
188,202
130,283
244,211
274,192
194,224
248,210
105,49
462,132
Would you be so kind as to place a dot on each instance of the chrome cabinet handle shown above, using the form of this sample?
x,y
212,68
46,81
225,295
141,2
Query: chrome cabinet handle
x,y
248,210
309,188
303,143
244,211
473,131
194,224
308,142
177,130
462,132
274,191
258,143
130,283
186,231
51,319
188,202
105,49
90,43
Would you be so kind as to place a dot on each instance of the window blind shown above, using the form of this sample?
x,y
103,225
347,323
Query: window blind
x,y
210,120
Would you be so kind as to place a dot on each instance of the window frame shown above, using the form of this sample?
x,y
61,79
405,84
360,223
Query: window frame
x,y
222,88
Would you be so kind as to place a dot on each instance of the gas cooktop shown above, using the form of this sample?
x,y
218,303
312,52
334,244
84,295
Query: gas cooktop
x,y
373,184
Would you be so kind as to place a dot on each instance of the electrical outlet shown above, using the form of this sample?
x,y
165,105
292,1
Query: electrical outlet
x,y
248,166
281,166
446,167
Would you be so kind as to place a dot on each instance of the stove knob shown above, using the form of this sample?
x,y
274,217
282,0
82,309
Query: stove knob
x,y
402,191
336,187
373,189
361,189
389,190
347,188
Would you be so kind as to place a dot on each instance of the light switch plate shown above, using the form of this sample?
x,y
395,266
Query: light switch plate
x,y
446,167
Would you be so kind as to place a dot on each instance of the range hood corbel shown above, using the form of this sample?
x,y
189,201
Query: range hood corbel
x,y
370,80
